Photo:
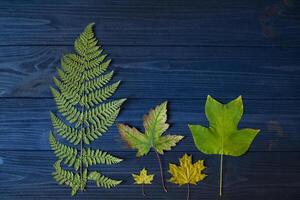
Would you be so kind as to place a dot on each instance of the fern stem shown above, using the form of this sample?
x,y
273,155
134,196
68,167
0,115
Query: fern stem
x,y
81,153
188,192
161,172
81,166
221,175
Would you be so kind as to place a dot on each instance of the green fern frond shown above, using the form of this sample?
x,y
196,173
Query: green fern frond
x,y
94,131
71,134
70,82
103,181
100,95
102,112
72,94
94,157
65,177
96,84
96,62
84,112
85,40
95,72
65,107
64,153
72,64
88,134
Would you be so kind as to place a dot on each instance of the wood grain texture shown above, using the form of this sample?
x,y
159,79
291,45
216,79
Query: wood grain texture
x,y
25,121
169,22
169,72
260,175
173,50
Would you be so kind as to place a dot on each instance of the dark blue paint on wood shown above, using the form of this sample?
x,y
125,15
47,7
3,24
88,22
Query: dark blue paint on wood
x,y
257,175
173,50
168,22
165,72
29,129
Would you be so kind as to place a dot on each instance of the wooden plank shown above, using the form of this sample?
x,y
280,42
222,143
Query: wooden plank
x,y
25,121
165,72
171,22
259,176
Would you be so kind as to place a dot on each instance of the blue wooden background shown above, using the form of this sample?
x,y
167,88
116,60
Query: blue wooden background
x,y
173,50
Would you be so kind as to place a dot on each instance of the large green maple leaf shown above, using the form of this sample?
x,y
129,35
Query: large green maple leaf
x,y
155,125
223,136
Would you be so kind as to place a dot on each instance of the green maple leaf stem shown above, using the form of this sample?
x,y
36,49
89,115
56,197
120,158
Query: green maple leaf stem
x,y
161,172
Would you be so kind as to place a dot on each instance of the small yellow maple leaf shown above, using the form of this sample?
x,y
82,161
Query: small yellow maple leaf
x,y
143,178
187,172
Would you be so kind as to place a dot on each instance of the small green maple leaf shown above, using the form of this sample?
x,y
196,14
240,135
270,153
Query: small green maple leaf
x,y
223,136
155,125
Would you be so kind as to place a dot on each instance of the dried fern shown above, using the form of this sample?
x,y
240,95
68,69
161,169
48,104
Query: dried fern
x,y
83,114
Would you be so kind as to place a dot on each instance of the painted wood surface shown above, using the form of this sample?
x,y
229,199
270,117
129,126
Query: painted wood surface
x,y
169,72
173,50
259,175
29,129
168,22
